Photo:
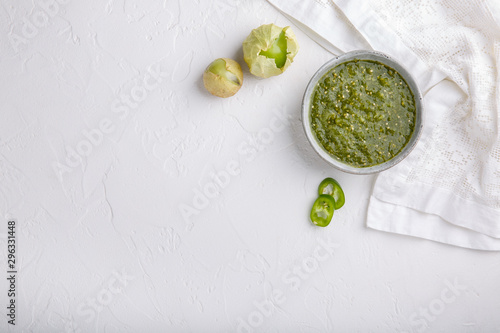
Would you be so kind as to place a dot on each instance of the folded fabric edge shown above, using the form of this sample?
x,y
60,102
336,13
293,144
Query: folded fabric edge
x,y
438,201
384,216
314,35
323,23
389,211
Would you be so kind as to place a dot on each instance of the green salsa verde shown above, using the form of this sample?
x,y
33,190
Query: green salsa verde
x,y
362,112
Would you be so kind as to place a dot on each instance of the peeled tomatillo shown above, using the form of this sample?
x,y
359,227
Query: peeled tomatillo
x,y
223,77
277,51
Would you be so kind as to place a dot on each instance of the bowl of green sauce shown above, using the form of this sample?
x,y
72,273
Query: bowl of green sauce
x,y
362,112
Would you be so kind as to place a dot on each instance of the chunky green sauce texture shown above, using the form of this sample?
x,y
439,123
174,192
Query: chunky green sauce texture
x,y
362,112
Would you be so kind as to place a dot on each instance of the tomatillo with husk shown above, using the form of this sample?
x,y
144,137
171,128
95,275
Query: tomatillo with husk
x,y
223,77
269,50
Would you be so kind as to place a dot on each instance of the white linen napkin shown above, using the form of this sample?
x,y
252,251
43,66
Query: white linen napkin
x,y
448,188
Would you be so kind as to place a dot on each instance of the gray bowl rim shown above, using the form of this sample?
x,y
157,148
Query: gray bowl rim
x,y
363,55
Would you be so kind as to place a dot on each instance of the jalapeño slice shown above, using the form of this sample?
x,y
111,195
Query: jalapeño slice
x,y
322,210
330,186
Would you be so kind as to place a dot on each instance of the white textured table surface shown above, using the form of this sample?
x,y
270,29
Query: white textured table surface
x,y
107,135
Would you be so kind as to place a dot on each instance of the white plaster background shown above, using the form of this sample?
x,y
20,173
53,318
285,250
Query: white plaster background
x,y
102,244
